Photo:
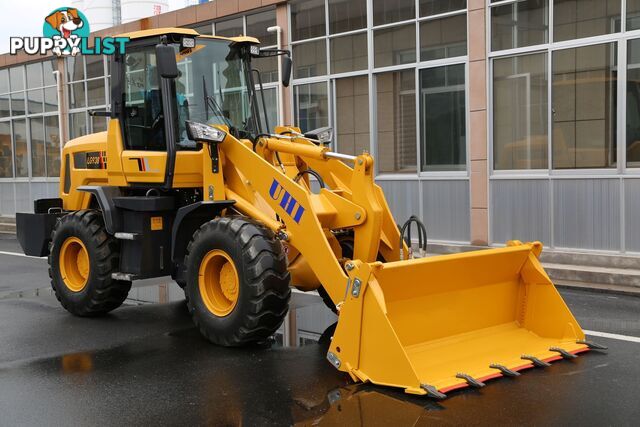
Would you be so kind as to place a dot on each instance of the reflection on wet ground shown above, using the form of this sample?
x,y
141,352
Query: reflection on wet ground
x,y
164,372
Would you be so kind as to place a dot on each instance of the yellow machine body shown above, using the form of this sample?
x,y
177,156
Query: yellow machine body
x,y
418,324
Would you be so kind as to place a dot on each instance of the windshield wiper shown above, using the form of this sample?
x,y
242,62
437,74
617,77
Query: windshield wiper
x,y
210,102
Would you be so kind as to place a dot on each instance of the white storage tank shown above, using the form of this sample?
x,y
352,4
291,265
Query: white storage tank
x,y
132,10
100,13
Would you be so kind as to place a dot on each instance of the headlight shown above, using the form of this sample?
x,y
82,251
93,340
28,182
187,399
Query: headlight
x,y
321,135
204,133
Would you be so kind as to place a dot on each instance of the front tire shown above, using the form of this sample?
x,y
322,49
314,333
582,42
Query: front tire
x,y
237,281
82,257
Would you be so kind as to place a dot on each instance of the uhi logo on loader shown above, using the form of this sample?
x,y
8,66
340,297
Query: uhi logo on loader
x,y
287,202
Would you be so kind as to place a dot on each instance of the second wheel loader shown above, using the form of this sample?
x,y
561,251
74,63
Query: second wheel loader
x,y
191,181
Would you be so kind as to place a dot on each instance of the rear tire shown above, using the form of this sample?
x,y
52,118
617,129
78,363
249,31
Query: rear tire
x,y
237,281
82,257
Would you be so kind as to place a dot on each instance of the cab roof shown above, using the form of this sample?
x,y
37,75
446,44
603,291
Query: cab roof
x,y
184,31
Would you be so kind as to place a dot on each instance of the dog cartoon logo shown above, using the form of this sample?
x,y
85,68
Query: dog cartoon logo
x,y
66,26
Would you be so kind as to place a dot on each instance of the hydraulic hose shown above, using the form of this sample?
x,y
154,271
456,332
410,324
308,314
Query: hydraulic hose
x,y
310,172
422,237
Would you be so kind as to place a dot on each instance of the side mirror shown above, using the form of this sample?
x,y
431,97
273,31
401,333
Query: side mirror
x,y
286,70
166,60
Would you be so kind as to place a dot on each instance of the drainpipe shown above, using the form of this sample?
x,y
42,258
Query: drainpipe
x,y
278,30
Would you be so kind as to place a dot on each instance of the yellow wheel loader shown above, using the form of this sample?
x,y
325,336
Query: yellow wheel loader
x,y
191,181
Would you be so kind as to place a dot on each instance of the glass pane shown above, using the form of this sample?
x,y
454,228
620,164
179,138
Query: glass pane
x,y
574,19
51,99
52,140
17,104
49,67
311,106
98,124
271,102
5,101
6,157
443,118
309,59
520,112
4,80
443,38
95,66
387,11
34,75
436,7
352,115
396,45
349,53
95,92
347,15
268,68
17,78
633,14
37,147
34,101
396,122
205,30
75,68
633,104
584,107
230,28
21,154
77,124
519,24
307,19
257,25
76,95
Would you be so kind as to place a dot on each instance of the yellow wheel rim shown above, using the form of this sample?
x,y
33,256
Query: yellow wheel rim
x,y
74,264
218,282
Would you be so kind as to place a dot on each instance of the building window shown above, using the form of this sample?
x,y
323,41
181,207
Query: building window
x,y
352,115
307,19
574,19
520,112
633,15
388,11
443,38
584,107
52,140
396,122
38,159
309,59
347,15
443,118
257,25
395,45
311,106
21,153
348,53
633,104
230,27
87,89
519,23
437,7
6,151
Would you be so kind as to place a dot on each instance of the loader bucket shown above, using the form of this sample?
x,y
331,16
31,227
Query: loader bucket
x,y
435,324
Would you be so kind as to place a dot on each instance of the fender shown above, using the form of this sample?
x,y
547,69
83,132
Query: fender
x,y
105,195
188,219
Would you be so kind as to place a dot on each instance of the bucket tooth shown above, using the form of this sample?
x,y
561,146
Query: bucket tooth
x,y
504,370
536,362
592,345
433,392
470,380
564,353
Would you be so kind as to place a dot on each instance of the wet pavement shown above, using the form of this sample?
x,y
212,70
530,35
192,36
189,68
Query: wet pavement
x,y
145,363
